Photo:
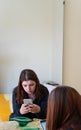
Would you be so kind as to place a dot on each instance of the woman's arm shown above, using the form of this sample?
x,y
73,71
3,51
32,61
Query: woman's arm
x,y
16,106
43,104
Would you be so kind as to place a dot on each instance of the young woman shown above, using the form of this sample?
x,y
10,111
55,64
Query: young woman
x,y
29,87
64,109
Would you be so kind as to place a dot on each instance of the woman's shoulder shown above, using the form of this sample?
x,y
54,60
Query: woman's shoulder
x,y
15,90
44,89
73,127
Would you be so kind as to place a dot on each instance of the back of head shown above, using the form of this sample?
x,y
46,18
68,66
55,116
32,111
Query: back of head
x,y
63,102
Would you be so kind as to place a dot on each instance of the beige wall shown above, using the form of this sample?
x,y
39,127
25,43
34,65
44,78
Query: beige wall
x,y
72,44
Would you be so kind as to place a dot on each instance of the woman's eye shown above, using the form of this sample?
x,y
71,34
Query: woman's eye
x,y
25,85
31,85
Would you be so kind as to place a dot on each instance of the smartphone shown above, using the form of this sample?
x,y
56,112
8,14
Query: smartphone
x,y
43,124
28,101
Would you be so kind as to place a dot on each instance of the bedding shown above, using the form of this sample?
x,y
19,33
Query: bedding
x,y
13,125
9,125
5,106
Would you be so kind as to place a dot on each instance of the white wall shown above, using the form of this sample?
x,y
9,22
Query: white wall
x,y
57,40
72,44
31,34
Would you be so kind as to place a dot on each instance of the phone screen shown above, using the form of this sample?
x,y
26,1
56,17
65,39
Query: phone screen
x,y
28,101
43,124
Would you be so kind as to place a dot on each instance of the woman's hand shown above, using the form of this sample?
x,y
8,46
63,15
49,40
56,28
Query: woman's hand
x,y
34,108
24,109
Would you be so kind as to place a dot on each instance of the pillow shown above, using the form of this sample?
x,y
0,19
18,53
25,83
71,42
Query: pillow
x,y
50,87
9,98
5,106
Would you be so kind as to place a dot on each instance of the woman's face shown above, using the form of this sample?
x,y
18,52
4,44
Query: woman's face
x,y
29,86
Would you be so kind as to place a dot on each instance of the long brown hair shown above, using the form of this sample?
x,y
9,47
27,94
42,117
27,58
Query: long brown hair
x,y
63,102
27,74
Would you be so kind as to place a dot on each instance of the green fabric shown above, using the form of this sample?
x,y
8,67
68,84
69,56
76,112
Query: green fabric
x,y
28,128
21,120
33,125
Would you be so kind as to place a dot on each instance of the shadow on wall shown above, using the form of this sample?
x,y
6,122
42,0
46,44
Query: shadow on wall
x,y
7,74
5,63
